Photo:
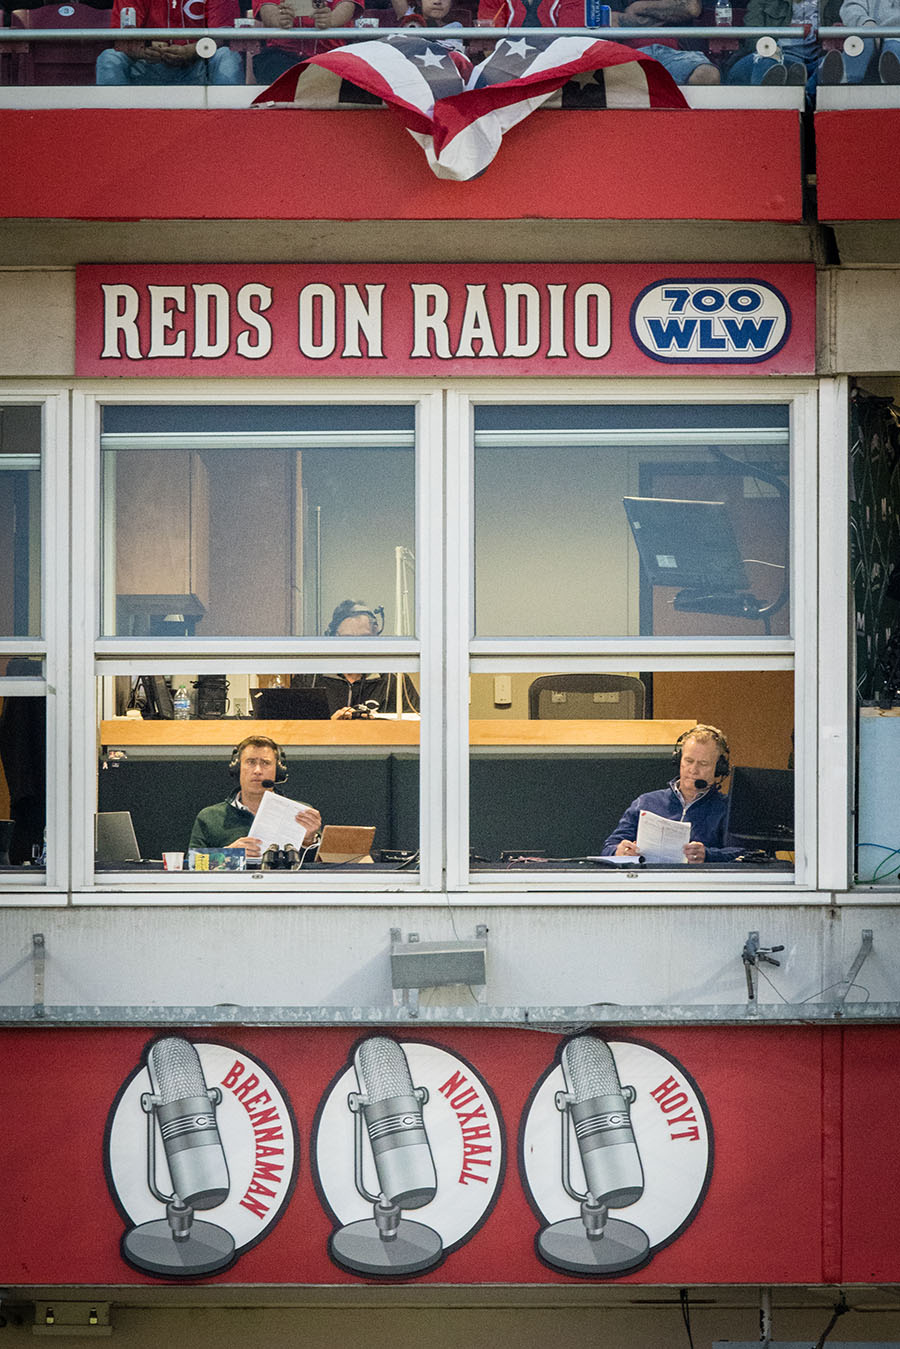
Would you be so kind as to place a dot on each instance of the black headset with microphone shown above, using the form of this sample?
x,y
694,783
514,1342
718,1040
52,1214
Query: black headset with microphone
x,y
281,768
351,609
723,762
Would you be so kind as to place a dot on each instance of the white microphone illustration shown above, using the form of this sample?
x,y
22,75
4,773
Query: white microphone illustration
x,y
185,1110
599,1108
387,1243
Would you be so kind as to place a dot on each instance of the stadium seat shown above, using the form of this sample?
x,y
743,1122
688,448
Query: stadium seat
x,y
57,62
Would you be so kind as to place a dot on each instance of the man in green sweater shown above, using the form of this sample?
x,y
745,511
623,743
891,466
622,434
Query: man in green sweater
x,y
258,764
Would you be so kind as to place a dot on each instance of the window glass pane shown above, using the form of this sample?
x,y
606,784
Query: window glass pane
x,y
256,521
20,521
182,785
557,761
23,768
616,521
878,841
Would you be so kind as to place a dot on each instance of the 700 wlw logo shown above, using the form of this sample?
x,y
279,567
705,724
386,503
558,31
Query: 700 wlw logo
x,y
737,322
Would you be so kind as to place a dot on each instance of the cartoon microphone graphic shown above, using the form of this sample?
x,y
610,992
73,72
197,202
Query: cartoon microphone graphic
x,y
599,1108
184,1108
387,1243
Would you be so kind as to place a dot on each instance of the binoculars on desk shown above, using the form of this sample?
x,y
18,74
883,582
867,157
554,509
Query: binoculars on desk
x,y
280,859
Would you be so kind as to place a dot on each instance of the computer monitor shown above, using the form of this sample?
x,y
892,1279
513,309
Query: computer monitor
x,y
691,545
290,704
115,839
761,809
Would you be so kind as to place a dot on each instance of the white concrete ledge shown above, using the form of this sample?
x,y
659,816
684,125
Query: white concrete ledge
x,y
242,95
834,97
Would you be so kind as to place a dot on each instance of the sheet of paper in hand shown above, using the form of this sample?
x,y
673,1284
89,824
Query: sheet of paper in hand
x,y
662,840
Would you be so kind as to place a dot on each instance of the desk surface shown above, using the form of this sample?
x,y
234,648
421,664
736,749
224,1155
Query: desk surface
x,y
490,731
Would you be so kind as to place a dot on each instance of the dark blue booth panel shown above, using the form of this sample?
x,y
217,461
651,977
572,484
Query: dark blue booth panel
x,y
563,805
164,795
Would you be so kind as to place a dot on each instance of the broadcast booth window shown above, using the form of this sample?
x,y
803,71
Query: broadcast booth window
x,y
447,634
255,521
597,771
631,642
34,663
284,538
653,521
221,774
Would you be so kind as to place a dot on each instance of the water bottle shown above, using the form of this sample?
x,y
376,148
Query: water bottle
x,y
724,15
182,704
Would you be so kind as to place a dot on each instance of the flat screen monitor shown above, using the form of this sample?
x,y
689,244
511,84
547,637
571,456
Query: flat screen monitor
x,y
290,704
761,809
688,544
115,838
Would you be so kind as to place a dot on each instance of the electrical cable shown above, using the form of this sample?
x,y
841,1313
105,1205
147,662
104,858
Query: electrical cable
x,y
684,1300
891,852
839,1309
760,971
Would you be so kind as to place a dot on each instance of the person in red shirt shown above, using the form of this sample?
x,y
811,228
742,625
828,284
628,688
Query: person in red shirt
x,y
277,57
175,62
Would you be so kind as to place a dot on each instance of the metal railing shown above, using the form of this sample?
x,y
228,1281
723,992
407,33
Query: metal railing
x,y
298,35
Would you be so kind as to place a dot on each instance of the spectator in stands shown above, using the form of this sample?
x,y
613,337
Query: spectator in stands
x,y
840,67
429,14
177,62
685,67
797,61
277,57
532,13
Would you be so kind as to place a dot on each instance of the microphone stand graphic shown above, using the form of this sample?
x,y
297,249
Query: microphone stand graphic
x,y
594,1243
387,1243
177,1246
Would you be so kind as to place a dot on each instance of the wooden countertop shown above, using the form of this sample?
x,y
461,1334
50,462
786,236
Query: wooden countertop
x,y
489,731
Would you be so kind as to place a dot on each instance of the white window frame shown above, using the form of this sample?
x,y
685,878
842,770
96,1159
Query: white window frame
x,y
94,655
75,655
27,887
470,655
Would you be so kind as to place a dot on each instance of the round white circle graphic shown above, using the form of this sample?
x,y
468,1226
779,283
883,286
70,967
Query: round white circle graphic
x,y
464,1135
671,1134
258,1139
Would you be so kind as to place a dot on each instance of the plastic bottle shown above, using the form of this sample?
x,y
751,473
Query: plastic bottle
x,y
724,15
182,704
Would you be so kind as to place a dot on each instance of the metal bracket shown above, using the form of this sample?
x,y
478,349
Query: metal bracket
x,y
862,955
416,964
754,955
38,951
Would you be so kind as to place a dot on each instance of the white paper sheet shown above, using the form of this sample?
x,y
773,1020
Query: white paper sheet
x,y
662,840
274,821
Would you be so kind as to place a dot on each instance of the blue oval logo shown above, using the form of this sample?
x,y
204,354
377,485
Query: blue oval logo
x,y
710,321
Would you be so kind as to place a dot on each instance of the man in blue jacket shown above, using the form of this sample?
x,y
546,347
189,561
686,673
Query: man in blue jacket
x,y
693,795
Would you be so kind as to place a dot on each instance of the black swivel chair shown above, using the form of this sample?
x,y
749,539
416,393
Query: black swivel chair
x,y
586,696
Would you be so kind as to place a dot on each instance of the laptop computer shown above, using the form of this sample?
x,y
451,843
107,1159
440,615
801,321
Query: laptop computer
x,y
114,838
290,704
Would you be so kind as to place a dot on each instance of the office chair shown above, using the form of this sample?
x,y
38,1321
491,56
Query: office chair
x,y
585,696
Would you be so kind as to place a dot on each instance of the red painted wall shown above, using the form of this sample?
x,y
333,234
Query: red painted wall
x,y
850,164
292,165
800,1190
